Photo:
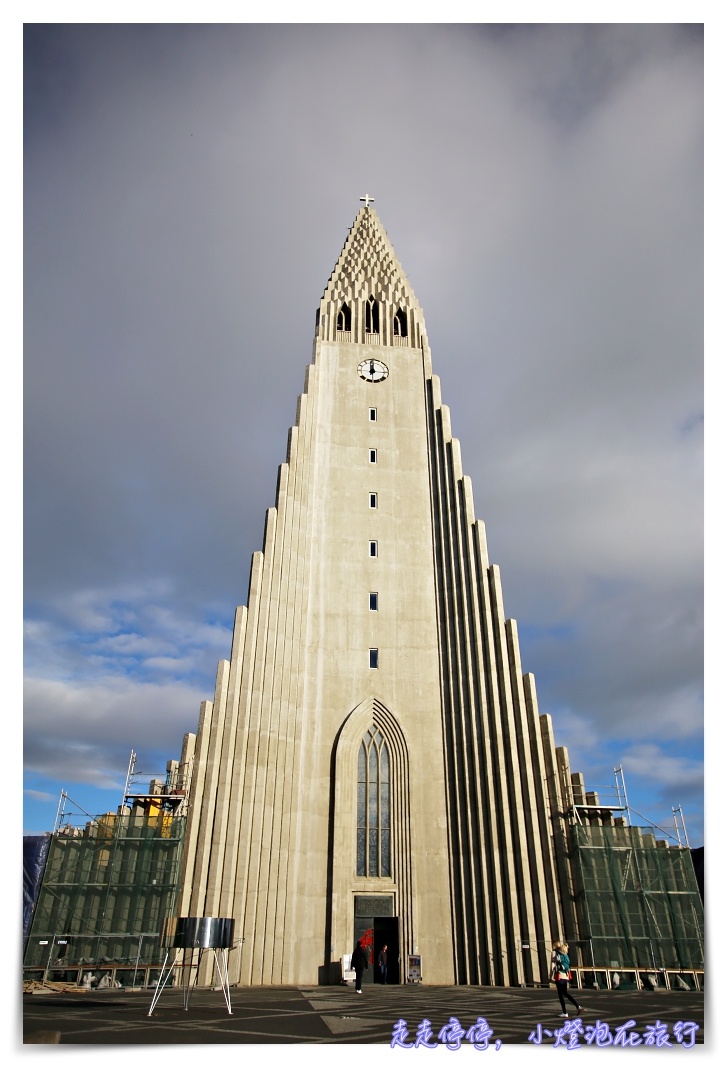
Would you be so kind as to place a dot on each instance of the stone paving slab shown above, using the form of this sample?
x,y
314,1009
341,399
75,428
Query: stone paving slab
x,y
334,1015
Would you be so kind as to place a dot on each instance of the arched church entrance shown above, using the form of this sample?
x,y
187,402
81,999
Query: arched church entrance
x,y
372,893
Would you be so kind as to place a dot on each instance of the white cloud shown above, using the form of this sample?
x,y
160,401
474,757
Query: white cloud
x,y
649,761
39,795
85,732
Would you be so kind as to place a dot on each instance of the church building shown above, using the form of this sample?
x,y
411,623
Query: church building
x,y
373,764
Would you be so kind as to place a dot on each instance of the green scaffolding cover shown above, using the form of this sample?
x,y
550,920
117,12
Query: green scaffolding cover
x,y
637,898
107,893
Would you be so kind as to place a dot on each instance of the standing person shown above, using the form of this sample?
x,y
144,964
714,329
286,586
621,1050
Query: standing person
x,y
561,973
382,962
359,962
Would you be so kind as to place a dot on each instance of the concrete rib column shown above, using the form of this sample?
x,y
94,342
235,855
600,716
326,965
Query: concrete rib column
x,y
473,722
498,847
201,902
474,551
194,808
459,697
220,855
463,682
533,804
269,745
247,895
231,899
479,800
287,697
285,960
444,622
559,802
552,920
491,775
198,900
305,751
510,812
273,751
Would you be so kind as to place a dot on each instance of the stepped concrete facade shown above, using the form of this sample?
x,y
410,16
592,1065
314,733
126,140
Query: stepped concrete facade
x,y
373,763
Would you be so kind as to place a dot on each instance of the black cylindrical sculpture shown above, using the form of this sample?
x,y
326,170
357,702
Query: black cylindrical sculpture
x,y
204,932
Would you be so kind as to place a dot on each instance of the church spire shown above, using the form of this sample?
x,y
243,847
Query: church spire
x,y
368,299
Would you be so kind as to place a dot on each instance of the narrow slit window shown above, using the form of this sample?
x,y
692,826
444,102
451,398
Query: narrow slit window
x,y
373,500
372,548
373,658
372,456
373,602
373,415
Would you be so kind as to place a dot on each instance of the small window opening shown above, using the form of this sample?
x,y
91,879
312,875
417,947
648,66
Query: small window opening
x,y
373,602
372,456
371,316
373,658
372,548
343,319
372,415
400,323
372,500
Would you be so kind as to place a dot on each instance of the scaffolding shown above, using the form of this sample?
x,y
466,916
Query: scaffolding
x,y
635,890
638,899
110,887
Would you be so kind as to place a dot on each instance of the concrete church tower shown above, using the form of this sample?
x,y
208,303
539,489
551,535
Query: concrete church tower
x,y
372,764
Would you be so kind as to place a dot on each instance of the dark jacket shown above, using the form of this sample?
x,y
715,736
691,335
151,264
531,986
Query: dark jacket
x,y
359,959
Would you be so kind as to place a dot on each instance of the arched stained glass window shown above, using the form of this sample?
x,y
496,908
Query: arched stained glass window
x,y
373,821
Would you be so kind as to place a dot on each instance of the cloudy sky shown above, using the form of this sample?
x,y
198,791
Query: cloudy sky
x,y
188,189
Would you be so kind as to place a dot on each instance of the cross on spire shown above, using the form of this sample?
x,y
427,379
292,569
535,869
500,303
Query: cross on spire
x,y
367,199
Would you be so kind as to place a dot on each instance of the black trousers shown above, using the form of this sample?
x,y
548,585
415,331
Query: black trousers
x,y
359,974
562,989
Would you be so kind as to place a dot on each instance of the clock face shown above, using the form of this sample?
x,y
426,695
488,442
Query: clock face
x,y
373,370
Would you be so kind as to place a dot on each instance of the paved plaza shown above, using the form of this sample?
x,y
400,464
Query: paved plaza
x,y
323,1015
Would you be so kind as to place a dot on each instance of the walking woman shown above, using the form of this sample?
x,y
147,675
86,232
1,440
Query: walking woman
x,y
561,973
